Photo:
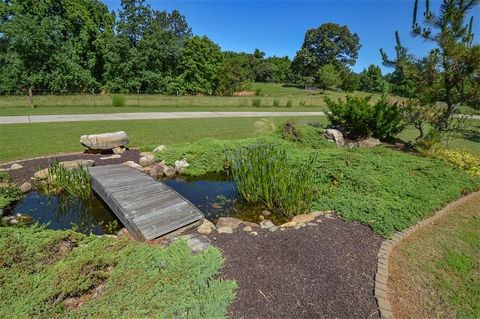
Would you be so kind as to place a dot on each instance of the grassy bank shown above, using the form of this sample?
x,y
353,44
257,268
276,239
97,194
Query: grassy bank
x,y
386,189
436,270
35,139
59,274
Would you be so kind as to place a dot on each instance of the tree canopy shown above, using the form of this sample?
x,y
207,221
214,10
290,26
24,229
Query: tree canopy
x,y
330,43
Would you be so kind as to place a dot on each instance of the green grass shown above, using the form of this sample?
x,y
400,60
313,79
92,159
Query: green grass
x,y
88,103
386,189
442,264
35,139
43,271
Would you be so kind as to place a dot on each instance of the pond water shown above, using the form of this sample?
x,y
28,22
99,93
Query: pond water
x,y
214,195
63,212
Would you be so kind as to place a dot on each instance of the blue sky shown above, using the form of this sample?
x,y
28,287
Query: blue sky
x,y
278,27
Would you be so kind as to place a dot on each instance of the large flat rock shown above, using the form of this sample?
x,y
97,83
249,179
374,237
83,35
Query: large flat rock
x,y
105,141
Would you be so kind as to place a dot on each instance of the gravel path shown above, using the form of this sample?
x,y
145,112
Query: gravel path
x,y
323,271
142,116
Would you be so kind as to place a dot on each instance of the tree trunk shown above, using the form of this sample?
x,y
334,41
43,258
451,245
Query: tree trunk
x,y
30,97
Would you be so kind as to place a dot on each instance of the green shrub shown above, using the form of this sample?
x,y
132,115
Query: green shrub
x,y
276,102
256,102
289,103
118,100
9,195
360,118
302,103
258,92
263,175
41,270
75,182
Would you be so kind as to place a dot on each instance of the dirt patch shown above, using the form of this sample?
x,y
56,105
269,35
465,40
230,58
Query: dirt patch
x,y
244,93
322,271
22,175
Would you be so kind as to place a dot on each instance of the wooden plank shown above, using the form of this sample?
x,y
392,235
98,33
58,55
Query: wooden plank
x,y
147,208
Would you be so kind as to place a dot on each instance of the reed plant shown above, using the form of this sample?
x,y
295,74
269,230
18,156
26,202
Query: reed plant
x,y
75,182
263,174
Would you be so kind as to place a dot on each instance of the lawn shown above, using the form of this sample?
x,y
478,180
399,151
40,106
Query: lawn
x,y
49,274
301,100
19,141
436,271
386,189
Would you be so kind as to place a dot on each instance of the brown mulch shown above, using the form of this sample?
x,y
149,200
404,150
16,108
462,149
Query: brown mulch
x,y
323,271
22,175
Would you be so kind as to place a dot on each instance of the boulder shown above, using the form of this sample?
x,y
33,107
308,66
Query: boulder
x,y
159,149
119,150
145,153
196,243
132,164
114,156
105,141
206,227
266,213
156,171
16,166
225,230
169,171
77,164
251,224
247,229
267,224
288,224
335,135
368,142
41,174
231,222
181,165
303,218
147,160
25,187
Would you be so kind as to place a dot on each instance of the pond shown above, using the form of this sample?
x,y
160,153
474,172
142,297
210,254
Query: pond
x,y
63,212
214,195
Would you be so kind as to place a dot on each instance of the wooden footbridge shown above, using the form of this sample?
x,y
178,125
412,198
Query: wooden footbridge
x,y
146,207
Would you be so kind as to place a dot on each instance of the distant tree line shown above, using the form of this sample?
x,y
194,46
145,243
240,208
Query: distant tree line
x,y
79,45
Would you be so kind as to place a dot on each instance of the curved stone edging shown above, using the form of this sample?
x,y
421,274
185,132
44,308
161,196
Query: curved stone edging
x,y
39,157
381,276
50,156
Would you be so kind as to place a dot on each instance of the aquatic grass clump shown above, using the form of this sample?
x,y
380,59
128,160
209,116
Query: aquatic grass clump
x,y
263,174
74,182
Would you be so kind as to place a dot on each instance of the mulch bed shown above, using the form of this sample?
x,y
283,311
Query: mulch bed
x,y
24,174
323,271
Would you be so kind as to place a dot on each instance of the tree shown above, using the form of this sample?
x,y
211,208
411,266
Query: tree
x,y
199,65
403,79
350,81
230,78
328,44
327,77
448,76
371,80
53,45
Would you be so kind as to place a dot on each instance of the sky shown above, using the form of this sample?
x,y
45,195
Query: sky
x,y
278,27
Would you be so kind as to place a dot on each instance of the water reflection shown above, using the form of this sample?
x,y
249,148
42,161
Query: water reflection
x,y
64,212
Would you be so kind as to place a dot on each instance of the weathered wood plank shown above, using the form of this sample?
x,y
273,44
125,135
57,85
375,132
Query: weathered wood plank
x,y
146,207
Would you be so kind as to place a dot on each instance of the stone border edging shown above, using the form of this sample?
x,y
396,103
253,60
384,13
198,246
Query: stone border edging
x,y
39,157
381,276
